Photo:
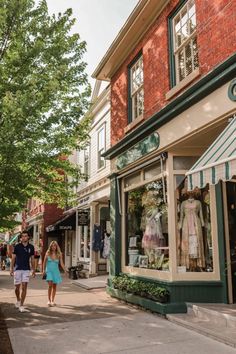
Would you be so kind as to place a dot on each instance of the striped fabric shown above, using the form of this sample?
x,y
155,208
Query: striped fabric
x,y
218,162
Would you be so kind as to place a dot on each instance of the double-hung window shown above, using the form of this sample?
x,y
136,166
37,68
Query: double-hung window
x,y
101,147
136,89
184,42
86,162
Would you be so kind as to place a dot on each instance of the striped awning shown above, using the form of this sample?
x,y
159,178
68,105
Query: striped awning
x,y
218,162
14,238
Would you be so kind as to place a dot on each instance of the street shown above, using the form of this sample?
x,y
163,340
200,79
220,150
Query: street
x,y
89,321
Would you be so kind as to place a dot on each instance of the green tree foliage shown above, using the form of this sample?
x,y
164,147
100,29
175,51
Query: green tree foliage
x,y
44,93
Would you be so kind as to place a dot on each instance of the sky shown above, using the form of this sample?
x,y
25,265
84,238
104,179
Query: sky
x,y
98,22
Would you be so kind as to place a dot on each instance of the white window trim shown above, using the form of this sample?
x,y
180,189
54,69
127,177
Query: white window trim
x,y
183,45
87,161
139,89
103,127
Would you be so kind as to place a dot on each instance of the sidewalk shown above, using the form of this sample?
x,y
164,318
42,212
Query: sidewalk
x,y
92,283
90,322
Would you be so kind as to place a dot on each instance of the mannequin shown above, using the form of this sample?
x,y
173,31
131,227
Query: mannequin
x,y
191,235
151,224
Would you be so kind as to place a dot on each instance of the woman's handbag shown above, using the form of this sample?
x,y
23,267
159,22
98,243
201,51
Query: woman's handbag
x,y
44,276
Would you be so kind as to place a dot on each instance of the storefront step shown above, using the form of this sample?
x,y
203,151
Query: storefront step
x,y
217,321
220,314
92,283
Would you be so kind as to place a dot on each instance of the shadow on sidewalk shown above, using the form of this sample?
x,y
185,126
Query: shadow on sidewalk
x,y
38,316
5,347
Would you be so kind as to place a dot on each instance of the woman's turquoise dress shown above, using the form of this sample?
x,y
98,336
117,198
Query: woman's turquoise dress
x,y
52,271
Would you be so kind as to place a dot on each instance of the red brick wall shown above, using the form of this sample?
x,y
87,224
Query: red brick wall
x,y
216,36
51,214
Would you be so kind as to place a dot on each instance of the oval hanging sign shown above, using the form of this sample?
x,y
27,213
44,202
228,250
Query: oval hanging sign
x,y
232,90
142,148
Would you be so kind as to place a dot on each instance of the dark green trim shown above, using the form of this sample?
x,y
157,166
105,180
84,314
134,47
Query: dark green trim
x,y
213,174
191,181
130,113
171,43
202,88
221,241
188,291
180,293
129,97
113,175
201,179
148,304
172,72
115,219
227,171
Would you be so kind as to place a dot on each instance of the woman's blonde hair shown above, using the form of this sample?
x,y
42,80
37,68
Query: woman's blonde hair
x,y
58,250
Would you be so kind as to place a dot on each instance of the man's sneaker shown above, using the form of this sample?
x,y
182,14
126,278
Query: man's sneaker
x,y
53,303
22,309
49,303
17,304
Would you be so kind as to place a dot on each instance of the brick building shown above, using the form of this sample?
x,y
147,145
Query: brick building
x,y
37,218
172,70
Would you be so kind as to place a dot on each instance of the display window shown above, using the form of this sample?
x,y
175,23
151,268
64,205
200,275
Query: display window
x,y
146,220
194,236
85,245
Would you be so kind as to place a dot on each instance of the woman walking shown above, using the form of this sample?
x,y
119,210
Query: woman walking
x,y
51,263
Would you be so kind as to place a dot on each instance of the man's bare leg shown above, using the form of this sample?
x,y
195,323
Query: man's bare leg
x,y
17,292
23,293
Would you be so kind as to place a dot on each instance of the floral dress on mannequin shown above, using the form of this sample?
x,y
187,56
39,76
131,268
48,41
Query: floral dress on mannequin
x,y
191,243
153,237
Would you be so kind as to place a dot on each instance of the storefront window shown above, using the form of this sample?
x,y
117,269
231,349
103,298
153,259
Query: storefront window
x,y
147,226
194,228
154,170
133,179
184,162
85,245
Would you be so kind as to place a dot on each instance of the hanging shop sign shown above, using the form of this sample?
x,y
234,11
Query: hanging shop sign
x,y
83,217
139,150
65,227
232,90
84,200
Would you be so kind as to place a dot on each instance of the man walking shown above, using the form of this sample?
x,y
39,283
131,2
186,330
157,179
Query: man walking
x,y
21,264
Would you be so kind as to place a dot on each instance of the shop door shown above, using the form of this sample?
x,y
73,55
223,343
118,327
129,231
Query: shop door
x,y
69,248
231,226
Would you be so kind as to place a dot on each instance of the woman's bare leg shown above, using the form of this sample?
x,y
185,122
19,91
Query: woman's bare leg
x,y
54,290
50,291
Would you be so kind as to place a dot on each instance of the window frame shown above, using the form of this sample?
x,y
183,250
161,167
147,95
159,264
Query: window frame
x,y
159,274
174,70
87,162
101,150
131,94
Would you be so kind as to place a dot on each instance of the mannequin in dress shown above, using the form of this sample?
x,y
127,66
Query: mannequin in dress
x,y
191,239
151,224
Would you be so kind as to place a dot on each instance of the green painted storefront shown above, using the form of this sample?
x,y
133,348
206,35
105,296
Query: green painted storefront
x,y
181,291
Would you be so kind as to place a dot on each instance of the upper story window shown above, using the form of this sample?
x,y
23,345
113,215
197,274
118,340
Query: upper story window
x,y
136,89
86,162
184,43
101,147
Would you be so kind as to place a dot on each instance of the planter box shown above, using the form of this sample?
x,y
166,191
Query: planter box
x,y
148,304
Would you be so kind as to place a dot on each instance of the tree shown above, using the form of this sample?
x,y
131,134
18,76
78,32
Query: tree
x,y
44,93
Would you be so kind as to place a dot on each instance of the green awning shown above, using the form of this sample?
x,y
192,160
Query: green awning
x,y
218,162
14,238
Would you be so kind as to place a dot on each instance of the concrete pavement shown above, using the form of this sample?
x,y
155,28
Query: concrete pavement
x,y
89,321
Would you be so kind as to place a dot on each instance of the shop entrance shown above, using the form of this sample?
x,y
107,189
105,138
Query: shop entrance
x,y
231,226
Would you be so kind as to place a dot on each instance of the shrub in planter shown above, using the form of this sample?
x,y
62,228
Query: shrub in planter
x,y
138,287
